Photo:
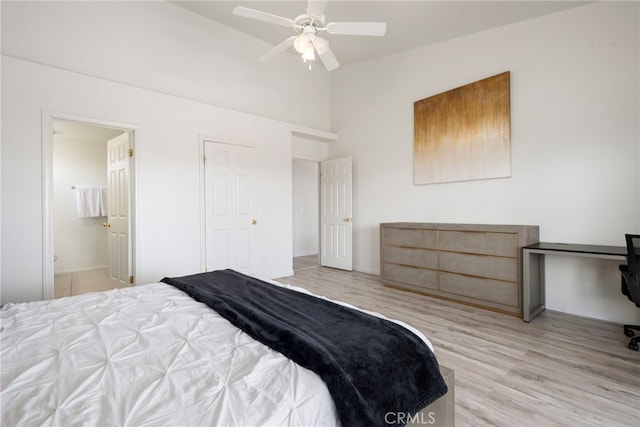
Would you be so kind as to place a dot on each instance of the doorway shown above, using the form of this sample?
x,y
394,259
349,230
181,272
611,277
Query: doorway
x,y
306,209
80,205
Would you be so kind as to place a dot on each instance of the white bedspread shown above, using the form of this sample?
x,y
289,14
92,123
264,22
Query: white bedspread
x,y
147,356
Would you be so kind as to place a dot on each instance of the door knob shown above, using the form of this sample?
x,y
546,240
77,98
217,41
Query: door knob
x,y
347,219
106,224
254,222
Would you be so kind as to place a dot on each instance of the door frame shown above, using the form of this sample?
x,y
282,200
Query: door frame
x,y
48,117
318,197
321,202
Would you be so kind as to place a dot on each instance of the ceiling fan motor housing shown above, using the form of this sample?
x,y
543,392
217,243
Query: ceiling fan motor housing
x,y
305,23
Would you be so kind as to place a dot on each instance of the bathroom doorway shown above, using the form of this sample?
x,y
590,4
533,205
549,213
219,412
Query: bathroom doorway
x,y
82,256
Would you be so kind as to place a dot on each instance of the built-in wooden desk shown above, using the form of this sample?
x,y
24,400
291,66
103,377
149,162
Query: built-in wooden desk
x,y
533,269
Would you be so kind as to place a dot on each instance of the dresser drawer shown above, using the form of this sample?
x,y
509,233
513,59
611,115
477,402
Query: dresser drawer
x,y
477,264
411,256
505,293
480,265
419,277
412,238
479,242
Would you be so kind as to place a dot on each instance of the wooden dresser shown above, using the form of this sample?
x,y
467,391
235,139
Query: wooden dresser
x,y
477,264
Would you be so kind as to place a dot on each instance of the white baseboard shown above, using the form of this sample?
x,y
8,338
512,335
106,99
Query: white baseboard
x,y
375,272
624,318
79,270
286,273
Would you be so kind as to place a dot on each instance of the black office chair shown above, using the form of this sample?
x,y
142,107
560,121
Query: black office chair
x,y
631,283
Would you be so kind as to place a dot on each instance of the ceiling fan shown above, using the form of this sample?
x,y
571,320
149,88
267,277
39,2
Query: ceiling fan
x,y
307,26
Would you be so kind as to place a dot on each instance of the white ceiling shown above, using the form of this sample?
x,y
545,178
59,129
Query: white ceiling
x,y
410,24
83,131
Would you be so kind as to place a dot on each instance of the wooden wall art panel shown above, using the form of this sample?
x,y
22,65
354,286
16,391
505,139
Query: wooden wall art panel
x,y
464,134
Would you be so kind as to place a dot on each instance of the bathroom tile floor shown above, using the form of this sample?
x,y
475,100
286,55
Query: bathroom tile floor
x,y
80,282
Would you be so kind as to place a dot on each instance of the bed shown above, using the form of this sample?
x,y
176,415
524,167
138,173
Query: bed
x,y
158,355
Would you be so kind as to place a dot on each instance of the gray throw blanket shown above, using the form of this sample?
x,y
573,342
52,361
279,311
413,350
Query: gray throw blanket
x,y
372,367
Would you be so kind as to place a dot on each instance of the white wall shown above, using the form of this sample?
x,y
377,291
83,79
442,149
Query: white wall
x,y
575,142
306,207
157,68
309,149
167,172
79,243
163,47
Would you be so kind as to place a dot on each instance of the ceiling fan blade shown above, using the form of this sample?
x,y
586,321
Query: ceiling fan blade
x,y
357,28
263,16
316,8
329,60
278,49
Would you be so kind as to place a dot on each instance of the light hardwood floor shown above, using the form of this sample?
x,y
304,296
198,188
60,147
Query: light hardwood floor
x,y
558,370
304,262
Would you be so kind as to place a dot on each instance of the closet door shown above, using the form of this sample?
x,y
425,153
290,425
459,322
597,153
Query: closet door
x,y
231,207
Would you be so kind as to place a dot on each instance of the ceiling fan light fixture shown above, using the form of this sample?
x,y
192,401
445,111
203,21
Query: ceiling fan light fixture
x,y
309,53
301,43
307,27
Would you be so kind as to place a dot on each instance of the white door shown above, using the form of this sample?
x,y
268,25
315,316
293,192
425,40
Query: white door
x,y
335,220
118,168
231,207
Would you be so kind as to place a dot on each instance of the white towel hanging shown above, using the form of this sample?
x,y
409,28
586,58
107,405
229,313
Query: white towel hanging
x,y
103,202
89,202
